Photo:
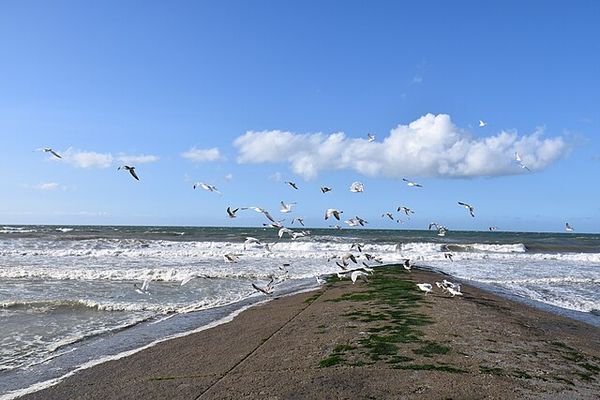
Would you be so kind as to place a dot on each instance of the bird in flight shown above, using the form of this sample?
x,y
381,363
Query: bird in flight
x,y
231,213
411,183
51,151
482,123
207,187
292,184
332,212
425,287
370,137
131,171
325,189
388,214
406,210
468,207
286,208
299,219
568,227
357,187
520,162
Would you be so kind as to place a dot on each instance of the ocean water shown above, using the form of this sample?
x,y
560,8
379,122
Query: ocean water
x,y
67,296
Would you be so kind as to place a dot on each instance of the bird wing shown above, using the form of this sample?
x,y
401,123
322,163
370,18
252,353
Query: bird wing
x,y
55,153
132,172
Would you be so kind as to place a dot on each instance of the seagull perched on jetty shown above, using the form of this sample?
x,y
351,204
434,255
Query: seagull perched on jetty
x,y
231,213
131,171
325,189
370,137
482,123
425,287
568,227
411,183
207,187
51,151
332,212
520,161
292,184
357,187
468,207
286,208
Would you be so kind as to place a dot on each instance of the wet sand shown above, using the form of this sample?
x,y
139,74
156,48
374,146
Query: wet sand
x,y
378,340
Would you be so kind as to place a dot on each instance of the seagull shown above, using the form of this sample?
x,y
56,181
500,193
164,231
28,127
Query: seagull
x,y
406,210
433,225
348,256
425,287
144,288
337,227
207,187
251,240
325,189
286,208
370,137
292,184
357,246
230,257
131,171
442,230
411,183
453,291
355,221
448,256
482,123
493,228
357,187
406,264
299,219
51,151
262,211
332,212
520,162
358,273
268,290
388,214
320,281
568,227
231,213
468,207
283,231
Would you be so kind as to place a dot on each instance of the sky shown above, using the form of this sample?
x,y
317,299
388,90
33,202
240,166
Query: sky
x,y
246,95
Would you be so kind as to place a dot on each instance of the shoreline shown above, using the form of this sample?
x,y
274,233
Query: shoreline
x,y
175,368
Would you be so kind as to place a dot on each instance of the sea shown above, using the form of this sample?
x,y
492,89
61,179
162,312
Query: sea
x,y
70,295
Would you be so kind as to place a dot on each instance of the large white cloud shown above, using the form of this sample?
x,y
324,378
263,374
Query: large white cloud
x,y
200,155
137,159
431,146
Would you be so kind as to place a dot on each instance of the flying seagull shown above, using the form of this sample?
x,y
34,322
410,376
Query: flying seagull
x,y
388,214
144,288
411,183
406,210
520,162
230,257
325,189
568,227
51,151
482,123
448,256
286,208
207,187
268,290
468,207
358,273
332,212
357,187
370,137
131,171
231,213
299,219
292,184
493,228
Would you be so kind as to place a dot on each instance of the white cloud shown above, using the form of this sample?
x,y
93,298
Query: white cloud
x,y
87,159
137,159
200,155
48,186
228,177
431,146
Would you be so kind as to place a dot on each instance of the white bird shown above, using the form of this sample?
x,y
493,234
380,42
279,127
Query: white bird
x,y
493,228
411,183
337,227
231,213
568,227
357,187
406,264
207,187
448,256
283,231
453,291
267,290
187,279
370,137
262,211
520,162
230,257
425,287
357,246
286,208
251,240
51,151
320,281
348,256
442,230
144,288
292,184
482,123
332,212
131,171
358,273
388,214
468,207
325,189
406,210
356,221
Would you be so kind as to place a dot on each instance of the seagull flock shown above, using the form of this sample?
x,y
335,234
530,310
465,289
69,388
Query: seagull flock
x,y
342,261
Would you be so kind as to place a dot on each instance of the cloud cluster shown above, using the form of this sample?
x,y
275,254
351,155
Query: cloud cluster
x,y
48,186
431,146
87,159
137,159
200,155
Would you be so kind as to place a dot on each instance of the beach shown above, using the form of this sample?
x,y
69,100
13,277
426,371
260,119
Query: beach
x,y
381,339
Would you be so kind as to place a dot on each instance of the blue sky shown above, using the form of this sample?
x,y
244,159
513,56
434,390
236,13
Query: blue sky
x,y
257,88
